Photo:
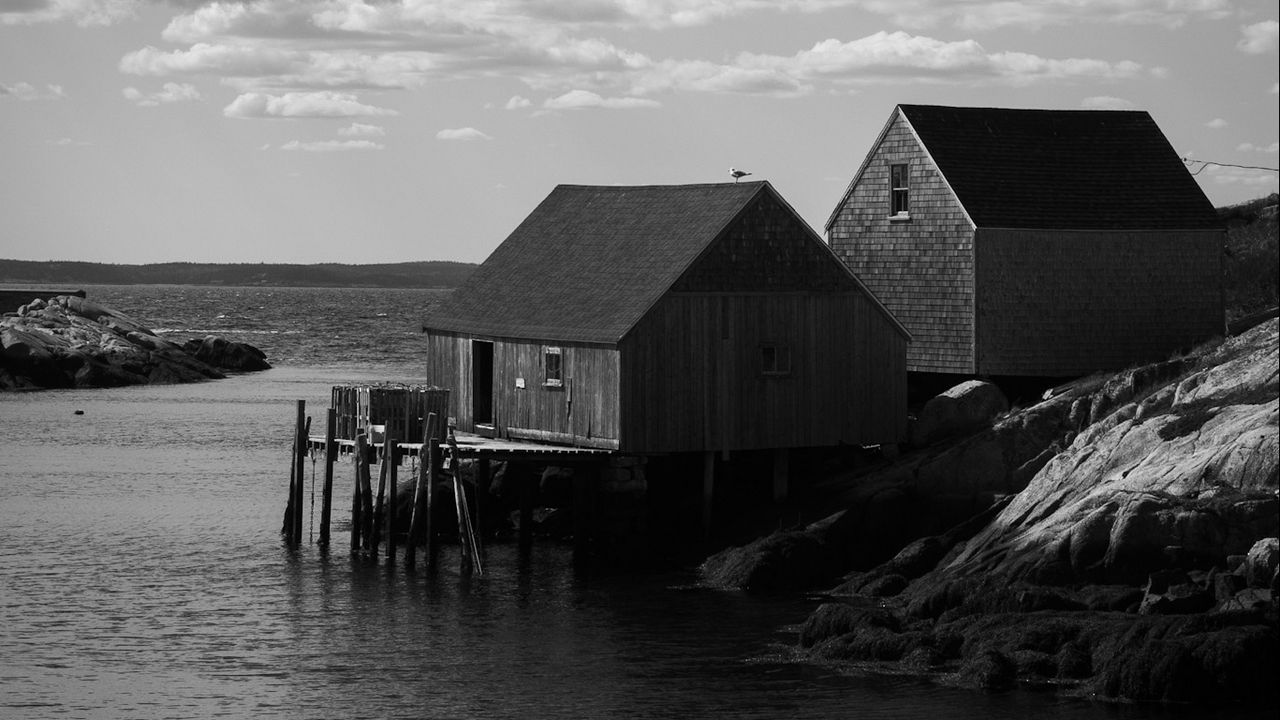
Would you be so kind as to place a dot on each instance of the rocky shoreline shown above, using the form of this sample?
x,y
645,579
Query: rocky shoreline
x,y
1124,545
70,342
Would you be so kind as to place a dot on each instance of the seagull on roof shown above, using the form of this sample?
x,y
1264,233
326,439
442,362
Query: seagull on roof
x,y
738,174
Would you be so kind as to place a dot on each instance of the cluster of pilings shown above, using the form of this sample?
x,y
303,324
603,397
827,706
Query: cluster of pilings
x,y
373,515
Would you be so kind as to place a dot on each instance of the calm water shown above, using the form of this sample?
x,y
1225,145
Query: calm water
x,y
142,574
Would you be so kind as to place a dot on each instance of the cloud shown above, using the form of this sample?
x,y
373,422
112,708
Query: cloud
x,y
516,102
1259,37
171,93
302,105
1106,102
362,130
1272,149
82,12
1034,14
28,92
332,145
256,65
578,99
466,133
1275,88
1216,124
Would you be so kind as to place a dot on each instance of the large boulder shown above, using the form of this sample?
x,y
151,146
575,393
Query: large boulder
x,y
964,408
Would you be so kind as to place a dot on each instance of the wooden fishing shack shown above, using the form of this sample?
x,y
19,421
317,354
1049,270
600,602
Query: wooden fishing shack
x,y
1017,242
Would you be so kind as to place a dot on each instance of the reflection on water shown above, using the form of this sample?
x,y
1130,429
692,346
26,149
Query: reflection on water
x,y
143,577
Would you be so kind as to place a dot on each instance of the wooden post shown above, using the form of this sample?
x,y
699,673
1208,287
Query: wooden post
x,y
357,502
525,481
482,491
300,470
584,476
379,506
708,490
433,475
366,499
421,487
286,525
393,463
780,458
326,495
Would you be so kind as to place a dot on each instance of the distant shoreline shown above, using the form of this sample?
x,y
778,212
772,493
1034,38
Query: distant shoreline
x,y
408,275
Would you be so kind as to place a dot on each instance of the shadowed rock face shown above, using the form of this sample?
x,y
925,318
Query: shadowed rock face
x,y
1135,559
69,341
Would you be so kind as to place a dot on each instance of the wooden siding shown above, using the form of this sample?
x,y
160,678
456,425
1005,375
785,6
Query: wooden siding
x,y
921,268
767,249
692,377
1060,303
584,409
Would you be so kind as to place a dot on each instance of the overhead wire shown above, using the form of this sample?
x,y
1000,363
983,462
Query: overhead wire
x,y
1206,163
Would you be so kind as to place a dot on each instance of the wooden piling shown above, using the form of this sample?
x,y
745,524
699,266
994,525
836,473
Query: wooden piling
x,y
482,491
525,482
433,474
366,497
379,507
393,463
780,474
421,487
708,489
357,498
326,494
584,479
300,458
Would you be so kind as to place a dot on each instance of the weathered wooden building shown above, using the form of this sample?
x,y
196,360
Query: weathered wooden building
x,y
659,319
1032,242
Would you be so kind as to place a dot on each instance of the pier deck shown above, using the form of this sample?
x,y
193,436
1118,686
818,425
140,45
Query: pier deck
x,y
479,448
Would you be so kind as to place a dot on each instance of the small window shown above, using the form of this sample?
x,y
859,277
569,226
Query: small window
x,y
555,369
899,190
775,359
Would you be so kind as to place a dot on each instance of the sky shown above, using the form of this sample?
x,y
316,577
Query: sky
x,y
348,131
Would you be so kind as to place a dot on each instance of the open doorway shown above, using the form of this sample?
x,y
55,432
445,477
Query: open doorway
x,y
482,383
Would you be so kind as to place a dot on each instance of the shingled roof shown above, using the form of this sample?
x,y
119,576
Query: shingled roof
x,y
589,261
1061,169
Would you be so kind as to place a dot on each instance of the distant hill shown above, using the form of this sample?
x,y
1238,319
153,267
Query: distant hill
x,y
1252,256
429,274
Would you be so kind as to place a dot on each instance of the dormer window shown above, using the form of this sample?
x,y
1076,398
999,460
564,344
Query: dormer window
x,y
899,190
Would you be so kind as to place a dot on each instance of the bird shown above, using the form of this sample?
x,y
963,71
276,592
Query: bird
x,y
738,174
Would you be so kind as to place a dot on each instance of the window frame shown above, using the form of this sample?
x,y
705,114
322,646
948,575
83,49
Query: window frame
x,y
900,187
775,359
550,379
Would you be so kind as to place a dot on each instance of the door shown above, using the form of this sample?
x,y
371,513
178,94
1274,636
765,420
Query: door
x,y
482,382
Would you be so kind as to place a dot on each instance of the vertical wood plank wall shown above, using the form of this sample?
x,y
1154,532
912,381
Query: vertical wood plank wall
x,y
922,268
584,407
1070,303
692,376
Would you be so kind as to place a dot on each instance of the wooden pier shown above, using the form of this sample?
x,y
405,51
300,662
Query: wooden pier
x,y
435,461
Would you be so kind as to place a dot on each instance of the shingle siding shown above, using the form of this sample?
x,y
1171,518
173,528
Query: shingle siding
x,y
1070,303
921,269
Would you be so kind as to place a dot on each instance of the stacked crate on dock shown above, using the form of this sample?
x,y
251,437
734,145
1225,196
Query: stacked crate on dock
x,y
401,409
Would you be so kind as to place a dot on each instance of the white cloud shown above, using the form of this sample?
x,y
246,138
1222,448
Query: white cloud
x,y
1106,102
1259,37
171,93
27,91
466,133
322,104
362,130
259,65
1275,88
516,102
577,99
1273,148
1033,14
332,145
1216,124
82,12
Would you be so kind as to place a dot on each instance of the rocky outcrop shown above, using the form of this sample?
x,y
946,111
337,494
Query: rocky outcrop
x,y
1135,556
69,341
965,408
227,354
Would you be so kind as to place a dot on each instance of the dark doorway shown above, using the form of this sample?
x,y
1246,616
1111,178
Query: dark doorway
x,y
482,382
